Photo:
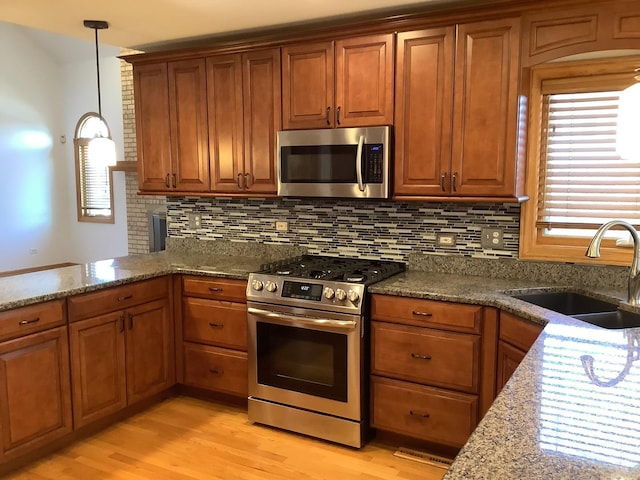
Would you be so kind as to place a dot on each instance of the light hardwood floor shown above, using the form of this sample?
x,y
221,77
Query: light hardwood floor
x,y
184,438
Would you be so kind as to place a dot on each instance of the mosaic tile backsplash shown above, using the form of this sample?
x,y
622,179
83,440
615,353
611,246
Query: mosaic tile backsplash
x,y
369,229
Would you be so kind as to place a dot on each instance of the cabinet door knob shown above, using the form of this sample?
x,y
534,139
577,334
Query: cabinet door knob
x,y
338,115
454,181
422,314
125,297
130,315
216,325
166,181
215,289
247,177
328,112
122,322
443,182
238,180
174,180
216,371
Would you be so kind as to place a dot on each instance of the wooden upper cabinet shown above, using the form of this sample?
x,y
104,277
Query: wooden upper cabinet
x,y
461,140
224,101
364,81
153,138
308,86
424,99
244,109
345,83
171,126
262,119
560,32
188,119
485,111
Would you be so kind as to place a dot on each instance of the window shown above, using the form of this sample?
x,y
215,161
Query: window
x,y
93,179
576,181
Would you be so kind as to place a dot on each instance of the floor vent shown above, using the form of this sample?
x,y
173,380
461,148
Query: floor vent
x,y
423,457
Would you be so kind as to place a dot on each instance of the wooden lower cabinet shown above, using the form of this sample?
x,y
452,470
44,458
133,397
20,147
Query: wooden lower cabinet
x,y
35,399
219,369
418,411
121,357
516,337
214,330
98,367
432,367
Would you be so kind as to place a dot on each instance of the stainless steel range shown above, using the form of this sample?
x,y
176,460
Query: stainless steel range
x,y
308,345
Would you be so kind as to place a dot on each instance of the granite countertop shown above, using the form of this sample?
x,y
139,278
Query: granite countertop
x,y
550,420
29,288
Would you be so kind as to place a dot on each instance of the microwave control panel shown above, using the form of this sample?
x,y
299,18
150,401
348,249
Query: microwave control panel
x,y
373,164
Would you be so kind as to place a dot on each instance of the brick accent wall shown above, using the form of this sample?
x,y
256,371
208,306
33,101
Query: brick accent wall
x,y
137,205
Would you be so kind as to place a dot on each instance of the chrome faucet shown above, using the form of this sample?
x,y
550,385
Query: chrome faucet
x,y
593,251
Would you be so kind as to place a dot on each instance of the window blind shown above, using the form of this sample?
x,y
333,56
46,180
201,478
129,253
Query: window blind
x,y
583,182
95,190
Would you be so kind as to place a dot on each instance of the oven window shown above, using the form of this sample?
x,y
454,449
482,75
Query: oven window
x,y
319,164
302,360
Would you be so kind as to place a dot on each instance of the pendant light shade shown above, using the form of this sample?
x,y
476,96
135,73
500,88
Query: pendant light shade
x,y
628,134
102,149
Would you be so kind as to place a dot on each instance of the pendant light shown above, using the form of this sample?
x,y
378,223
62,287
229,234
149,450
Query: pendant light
x,y
628,134
101,148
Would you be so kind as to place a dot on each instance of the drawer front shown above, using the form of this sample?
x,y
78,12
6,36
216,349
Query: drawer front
x,y
423,412
518,332
426,313
427,356
33,318
216,369
215,288
117,298
216,323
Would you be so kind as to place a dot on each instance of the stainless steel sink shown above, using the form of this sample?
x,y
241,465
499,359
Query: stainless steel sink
x,y
568,303
588,309
611,320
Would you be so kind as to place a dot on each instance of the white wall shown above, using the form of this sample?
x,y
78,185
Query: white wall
x,y
41,99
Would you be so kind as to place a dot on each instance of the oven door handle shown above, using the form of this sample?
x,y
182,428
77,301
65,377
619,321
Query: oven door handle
x,y
359,163
305,319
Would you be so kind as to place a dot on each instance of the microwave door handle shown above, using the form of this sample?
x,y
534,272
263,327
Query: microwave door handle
x,y
359,163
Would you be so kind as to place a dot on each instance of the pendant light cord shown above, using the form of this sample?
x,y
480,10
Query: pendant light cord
x,y
98,73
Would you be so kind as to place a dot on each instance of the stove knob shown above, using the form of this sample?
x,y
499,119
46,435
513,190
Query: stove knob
x,y
257,285
353,296
329,293
341,294
271,286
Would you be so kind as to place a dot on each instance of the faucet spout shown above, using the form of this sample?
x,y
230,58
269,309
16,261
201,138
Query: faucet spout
x,y
593,251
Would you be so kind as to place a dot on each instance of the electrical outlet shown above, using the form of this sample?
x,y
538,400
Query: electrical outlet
x,y
492,238
195,221
446,239
282,226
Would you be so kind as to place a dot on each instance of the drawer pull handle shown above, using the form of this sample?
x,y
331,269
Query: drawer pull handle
x,y
420,357
216,371
29,322
216,325
215,289
413,413
125,297
422,314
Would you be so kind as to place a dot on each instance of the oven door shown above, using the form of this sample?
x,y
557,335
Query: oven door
x,y
306,359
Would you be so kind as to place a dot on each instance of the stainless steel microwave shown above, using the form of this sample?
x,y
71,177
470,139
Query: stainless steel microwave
x,y
338,163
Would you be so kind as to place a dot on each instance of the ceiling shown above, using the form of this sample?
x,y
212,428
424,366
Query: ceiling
x,y
145,24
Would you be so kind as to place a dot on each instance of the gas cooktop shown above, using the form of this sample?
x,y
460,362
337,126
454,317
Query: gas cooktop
x,y
352,270
320,282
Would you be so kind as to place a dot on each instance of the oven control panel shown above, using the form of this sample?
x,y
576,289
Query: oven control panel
x,y
300,292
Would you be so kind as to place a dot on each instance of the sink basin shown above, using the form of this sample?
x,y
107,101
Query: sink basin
x,y
611,320
568,303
